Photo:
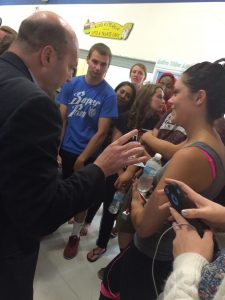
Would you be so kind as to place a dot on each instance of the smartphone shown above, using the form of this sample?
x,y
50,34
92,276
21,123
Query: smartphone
x,y
179,201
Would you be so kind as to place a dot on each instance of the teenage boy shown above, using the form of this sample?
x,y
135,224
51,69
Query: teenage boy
x,y
87,105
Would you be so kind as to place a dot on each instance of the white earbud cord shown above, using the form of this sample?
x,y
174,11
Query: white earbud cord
x,y
156,250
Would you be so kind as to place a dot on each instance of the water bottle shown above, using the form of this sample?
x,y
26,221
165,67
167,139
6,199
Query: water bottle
x,y
116,202
146,179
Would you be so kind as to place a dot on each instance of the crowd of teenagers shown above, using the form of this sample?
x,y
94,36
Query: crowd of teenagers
x,y
87,131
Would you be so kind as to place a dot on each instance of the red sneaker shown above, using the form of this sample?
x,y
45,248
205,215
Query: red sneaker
x,y
71,248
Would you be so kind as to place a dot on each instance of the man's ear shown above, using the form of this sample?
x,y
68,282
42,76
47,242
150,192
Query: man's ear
x,y
47,54
200,97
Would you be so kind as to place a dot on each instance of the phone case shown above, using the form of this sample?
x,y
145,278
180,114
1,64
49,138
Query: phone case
x,y
179,201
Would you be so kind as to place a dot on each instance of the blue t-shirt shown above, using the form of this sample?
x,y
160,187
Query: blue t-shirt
x,y
85,105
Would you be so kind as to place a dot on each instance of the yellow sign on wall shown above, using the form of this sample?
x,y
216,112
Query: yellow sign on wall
x,y
107,29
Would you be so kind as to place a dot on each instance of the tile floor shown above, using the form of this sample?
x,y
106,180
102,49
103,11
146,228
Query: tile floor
x,y
76,279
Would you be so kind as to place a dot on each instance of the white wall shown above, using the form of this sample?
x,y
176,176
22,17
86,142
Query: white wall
x,y
189,32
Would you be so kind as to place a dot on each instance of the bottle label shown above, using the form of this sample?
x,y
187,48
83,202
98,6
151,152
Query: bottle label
x,y
118,196
150,171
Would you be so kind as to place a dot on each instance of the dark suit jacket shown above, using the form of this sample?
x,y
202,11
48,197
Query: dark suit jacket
x,y
33,200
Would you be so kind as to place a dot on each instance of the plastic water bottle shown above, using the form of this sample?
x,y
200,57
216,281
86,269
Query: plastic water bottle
x,y
145,181
116,202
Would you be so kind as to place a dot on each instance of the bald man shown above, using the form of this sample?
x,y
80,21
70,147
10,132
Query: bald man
x,y
33,200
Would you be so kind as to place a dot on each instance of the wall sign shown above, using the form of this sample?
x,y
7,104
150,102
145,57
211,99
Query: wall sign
x,y
107,29
38,2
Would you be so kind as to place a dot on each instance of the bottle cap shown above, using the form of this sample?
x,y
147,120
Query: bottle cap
x,y
158,156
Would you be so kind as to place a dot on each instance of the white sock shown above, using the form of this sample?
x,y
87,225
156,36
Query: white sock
x,y
77,228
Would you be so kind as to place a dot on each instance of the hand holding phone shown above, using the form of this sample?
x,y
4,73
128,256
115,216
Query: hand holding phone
x,y
179,201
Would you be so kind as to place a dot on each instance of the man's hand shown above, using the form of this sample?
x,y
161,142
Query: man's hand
x,y
120,154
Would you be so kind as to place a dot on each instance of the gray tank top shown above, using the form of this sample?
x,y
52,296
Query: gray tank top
x,y
164,253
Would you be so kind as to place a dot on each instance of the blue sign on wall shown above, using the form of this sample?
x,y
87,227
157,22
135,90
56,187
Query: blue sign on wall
x,y
38,2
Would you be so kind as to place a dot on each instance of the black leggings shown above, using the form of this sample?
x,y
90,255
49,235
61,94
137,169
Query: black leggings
x,y
107,219
130,274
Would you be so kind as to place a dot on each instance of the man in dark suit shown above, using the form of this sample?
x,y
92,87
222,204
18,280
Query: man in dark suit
x,y
33,200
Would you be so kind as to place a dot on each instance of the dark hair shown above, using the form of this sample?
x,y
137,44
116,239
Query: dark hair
x,y
7,40
9,30
35,33
209,77
143,67
141,110
101,49
131,85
